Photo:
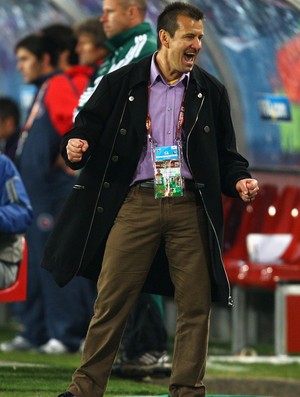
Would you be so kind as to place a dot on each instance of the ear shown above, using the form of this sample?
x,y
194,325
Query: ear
x,y
164,37
132,11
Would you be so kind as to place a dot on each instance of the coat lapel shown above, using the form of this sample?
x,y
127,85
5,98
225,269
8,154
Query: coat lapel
x,y
194,98
138,97
138,107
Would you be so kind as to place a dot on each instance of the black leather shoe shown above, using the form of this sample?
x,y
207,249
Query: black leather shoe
x,y
66,394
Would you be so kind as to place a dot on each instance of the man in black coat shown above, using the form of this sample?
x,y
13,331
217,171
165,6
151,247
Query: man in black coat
x,y
157,148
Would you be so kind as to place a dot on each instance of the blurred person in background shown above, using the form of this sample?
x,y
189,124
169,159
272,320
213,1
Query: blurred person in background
x,y
9,126
129,38
54,320
91,48
65,43
65,40
15,216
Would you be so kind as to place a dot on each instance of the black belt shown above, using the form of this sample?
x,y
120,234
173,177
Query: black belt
x,y
188,183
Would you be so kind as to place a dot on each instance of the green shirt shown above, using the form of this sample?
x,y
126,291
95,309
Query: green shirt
x,y
127,47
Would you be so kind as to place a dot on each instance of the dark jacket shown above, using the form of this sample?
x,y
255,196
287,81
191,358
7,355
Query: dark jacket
x,y
46,182
114,123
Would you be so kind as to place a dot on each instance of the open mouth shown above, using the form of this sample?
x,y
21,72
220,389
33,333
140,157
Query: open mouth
x,y
189,57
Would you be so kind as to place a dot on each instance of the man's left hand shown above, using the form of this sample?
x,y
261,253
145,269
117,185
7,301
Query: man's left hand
x,y
247,189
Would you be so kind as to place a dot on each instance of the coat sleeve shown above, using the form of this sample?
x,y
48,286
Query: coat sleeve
x,y
233,166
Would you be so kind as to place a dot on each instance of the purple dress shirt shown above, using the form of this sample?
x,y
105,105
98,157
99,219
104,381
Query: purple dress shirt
x,y
164,105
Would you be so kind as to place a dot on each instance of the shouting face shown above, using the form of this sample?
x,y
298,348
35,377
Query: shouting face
x,y
179,53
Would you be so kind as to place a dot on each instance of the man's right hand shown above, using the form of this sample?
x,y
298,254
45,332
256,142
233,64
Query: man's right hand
x,y
75,149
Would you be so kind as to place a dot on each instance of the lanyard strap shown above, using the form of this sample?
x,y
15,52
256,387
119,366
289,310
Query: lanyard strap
x,y
30,119
35,107
179,123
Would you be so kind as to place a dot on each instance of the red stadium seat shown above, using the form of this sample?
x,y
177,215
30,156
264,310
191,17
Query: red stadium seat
x,y
233,210
285,218
251,221
279,217
292,253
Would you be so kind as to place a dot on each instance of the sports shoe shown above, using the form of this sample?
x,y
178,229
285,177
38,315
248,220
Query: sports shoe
x,y
53,346
17,343
66,394
148,364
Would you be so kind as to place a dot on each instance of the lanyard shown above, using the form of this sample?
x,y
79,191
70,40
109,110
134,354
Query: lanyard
x,y
36,106
30,119
179,123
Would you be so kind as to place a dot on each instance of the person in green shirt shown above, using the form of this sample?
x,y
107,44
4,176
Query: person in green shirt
x,y
129,38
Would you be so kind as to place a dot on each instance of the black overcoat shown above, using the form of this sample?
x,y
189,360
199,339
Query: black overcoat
x,y
114,123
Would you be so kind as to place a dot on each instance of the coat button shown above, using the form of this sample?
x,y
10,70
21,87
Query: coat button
x,y
207,129
123,131
200,95
131,98
115,158
100,210
106,185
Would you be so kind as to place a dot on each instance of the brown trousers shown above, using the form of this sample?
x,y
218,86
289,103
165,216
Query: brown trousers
x,y
132,243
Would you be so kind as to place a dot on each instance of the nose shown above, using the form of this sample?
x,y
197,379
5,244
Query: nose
x,y
197,43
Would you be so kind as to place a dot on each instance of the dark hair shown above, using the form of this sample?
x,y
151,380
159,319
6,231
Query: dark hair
x,y
39,45
64,38
167,20
94,28
9,108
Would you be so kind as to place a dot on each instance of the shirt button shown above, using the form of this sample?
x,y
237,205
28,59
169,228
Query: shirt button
x,y
115,158
106,185
100,210
123,131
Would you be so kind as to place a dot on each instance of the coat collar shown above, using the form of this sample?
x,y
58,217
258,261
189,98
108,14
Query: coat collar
x,y
141,72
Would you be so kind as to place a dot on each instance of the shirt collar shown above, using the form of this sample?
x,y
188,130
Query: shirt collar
x,y
155,74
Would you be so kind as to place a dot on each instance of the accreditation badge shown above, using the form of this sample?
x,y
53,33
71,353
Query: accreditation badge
x,y
168,181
